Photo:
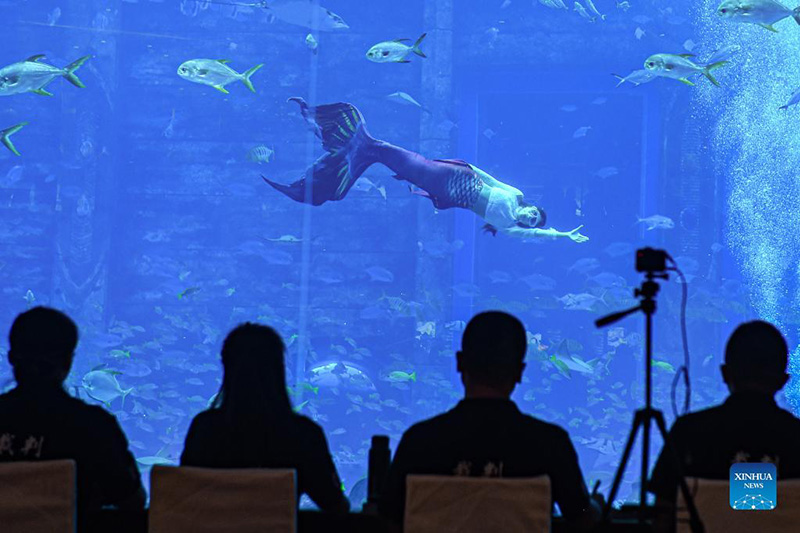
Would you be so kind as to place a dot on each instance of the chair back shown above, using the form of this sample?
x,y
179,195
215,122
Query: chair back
x,y
211,500
436,504
37,497
712,499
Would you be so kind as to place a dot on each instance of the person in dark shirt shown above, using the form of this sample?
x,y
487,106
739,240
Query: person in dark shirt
x,y
486,435
39,421
251,423
748,427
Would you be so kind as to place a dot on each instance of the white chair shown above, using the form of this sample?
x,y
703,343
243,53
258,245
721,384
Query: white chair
x,y
436,504
711,497
37,497
206,500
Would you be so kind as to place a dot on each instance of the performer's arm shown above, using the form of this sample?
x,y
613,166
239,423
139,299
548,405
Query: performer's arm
x,y
550,232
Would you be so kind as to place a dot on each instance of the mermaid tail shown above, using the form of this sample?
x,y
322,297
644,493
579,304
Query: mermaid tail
x,y
344,136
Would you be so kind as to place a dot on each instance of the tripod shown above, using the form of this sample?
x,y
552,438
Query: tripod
x,y
643,418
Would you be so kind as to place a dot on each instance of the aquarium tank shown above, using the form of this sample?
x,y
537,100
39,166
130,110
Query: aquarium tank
x,y
173,168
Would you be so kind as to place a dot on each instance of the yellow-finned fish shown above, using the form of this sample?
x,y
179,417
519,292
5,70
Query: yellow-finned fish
x,y
395,51
680,67
215,73
762,13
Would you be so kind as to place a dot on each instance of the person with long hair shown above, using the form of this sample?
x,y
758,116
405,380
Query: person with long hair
x,y
251,424
448,183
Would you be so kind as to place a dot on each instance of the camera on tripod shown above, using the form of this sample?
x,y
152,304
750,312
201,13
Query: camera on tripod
x,y
651,260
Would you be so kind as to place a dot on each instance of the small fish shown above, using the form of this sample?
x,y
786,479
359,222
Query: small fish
x,y
102,385
539,282
120,354
593,10
303,13
581,132
404,98
657,222
639,33
498,276
569,108
32,76
794,100
624,5
580,302
299,408
680,67
489,133
398,376
312,43
426,328
637,77
188,292
582,12
154,460
724,53
395,51
53,17
764,13
663,365
380,274
5,137
215,73
607,172
29,298
286,238
260,154
689,45
584,266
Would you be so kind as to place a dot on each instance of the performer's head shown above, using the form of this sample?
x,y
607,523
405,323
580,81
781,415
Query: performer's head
x,y
756,357
530,216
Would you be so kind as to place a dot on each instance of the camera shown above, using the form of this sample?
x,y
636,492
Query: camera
x,y
651,260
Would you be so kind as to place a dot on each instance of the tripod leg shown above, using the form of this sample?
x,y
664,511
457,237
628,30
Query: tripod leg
x,y
637,422
695,523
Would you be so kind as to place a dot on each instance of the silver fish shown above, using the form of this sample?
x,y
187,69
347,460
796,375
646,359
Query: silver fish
x,y
32,76
215,73
763,13
395,51
306,14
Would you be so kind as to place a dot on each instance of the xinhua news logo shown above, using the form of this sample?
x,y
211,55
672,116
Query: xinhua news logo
x,y
754,487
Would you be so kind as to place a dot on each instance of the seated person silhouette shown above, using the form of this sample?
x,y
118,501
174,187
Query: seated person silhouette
x,y
748,427
251,423
39,421
486,435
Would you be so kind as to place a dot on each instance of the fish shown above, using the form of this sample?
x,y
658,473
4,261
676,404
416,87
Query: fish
x,y
581,132
188,292
637,77
764,13
582,12
607,172
365,185
793,100
377,273
404,99
398,376
657,222
618,249
584,266
29,298
215,73
5,137
580,302
312,43
33,76
663,365
426,328
569,108
498,276
593,10
260,154
680,67
102,385
724,53
286,238
395,51
304,13
53,17
689,45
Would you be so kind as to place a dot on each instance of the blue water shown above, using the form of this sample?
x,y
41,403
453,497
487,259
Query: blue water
x,y
135,207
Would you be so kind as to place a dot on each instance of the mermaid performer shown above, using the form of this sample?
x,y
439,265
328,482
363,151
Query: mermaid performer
x,y
448,183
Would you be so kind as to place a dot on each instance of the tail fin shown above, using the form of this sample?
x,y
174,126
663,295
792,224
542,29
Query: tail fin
x,y
796,14
5,137
709,68
246,76
344,136
416,49
125,395
70,72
